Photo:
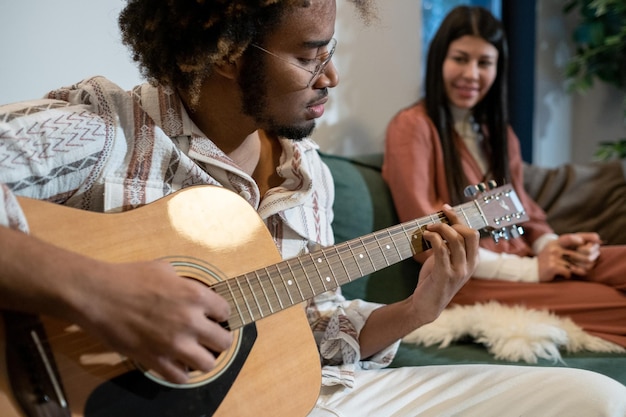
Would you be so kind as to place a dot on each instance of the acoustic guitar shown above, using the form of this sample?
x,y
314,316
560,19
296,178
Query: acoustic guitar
x,y
52,368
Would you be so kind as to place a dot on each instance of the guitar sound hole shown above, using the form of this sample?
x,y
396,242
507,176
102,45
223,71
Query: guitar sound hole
x,y
196,377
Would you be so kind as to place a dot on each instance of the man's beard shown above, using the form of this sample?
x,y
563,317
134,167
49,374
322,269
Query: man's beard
x,y
254,102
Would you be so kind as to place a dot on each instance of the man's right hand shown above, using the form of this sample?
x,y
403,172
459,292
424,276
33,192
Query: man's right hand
x,y
145,311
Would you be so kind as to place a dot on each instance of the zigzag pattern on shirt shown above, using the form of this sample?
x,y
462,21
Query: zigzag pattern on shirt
x,y
63,134
54,175
36,108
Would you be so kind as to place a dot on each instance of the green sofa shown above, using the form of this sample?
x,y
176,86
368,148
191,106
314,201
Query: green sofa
x,y
575,197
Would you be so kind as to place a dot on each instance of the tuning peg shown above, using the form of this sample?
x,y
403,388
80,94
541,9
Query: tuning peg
x,y
495,235
470,190
507,233
516,231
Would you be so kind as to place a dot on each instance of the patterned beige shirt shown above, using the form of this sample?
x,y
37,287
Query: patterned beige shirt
x,y
97,147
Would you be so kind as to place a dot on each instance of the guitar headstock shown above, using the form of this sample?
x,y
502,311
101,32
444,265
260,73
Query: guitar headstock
x,y
500,208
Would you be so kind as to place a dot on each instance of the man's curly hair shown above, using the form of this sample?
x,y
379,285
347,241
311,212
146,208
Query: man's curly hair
x,y
178,42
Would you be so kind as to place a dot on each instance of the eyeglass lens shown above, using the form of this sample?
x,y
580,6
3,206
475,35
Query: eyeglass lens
x,y
323,62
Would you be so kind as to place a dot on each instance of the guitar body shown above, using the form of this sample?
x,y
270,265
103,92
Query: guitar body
x,y
207,233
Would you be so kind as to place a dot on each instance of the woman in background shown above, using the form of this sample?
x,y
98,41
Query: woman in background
x,y
459,134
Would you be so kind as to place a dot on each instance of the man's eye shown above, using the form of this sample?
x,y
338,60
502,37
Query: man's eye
x,y
321,57
308,61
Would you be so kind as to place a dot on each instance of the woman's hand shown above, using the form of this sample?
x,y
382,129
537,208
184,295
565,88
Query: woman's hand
x,y
570,254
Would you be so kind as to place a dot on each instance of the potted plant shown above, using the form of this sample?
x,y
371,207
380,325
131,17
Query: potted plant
x,y
600,42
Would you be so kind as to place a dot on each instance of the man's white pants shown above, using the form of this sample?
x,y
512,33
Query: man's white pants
x,y
475,391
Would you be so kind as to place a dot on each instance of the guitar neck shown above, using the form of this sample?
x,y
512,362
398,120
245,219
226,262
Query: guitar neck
x,y
260,293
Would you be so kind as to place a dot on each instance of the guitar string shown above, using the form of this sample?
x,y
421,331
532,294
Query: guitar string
x,y
306,275
333,262
438,217
349,271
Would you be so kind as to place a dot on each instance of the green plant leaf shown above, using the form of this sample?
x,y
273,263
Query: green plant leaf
x,y
611,150
600,53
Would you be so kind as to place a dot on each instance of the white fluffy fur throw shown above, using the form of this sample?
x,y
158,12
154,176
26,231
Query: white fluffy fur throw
x,y
510,333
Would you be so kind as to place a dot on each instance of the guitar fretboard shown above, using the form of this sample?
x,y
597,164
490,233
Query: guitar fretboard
x,y
260,293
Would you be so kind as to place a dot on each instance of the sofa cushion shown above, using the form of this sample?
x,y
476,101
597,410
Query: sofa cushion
x,y
353,206
363,205
466,352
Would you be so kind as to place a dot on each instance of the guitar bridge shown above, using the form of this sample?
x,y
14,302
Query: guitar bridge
x,y
31,368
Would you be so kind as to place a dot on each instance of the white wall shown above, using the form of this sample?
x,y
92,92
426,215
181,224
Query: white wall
x,y
48,44
379,68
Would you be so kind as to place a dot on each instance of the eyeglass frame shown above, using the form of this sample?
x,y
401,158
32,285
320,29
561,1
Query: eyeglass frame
x,y
319,69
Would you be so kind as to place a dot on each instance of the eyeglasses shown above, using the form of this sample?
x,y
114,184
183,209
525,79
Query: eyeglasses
x,y
321,61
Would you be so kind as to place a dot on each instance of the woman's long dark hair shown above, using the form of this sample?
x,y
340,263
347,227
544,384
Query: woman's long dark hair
x,y
491,112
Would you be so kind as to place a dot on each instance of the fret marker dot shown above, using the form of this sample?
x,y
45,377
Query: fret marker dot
x,y
327,279
289,282
388,247
361,255
319,260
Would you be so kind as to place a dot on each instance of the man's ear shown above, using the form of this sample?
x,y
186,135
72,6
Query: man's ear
x,y
228,69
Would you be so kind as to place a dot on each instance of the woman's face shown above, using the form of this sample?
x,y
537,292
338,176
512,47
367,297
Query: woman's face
x,y
469,70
